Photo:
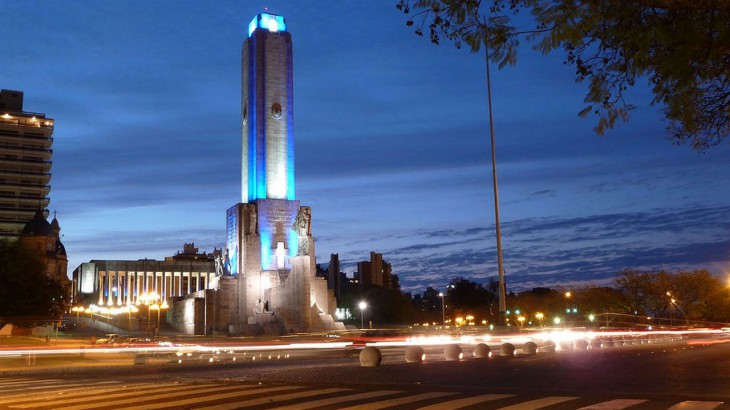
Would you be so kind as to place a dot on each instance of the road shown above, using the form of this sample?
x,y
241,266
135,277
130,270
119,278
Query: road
x,y
691,374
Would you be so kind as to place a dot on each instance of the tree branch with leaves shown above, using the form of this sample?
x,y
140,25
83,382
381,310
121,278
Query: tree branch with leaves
x,y
680,47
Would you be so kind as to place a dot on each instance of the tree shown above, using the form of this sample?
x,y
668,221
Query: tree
x,y
689,296
28,296
388,306
681,46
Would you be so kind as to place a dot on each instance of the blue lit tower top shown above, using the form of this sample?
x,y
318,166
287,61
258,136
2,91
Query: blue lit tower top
x,y
267,163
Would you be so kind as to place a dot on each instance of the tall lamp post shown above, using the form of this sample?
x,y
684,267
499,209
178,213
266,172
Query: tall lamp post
x,y
158,308
130,309
500,266
362,305
443,309
164,306
539,316
78,310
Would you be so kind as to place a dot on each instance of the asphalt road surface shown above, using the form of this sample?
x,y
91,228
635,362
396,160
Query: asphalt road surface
x,y
684,374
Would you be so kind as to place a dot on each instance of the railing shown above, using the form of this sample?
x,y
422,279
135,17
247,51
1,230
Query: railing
x,y
27,122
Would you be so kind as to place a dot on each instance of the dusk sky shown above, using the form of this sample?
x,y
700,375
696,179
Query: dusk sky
x,y
392,145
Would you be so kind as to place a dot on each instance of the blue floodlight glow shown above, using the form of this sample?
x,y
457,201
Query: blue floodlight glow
x,y
293,242
267,256
266,21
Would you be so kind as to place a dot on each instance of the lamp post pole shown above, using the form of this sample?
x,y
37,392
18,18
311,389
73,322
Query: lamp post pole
x,y
443,309
500,266
362,306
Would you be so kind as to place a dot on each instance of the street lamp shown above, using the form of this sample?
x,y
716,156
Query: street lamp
x,y
78,310
362,305
443,309
158,307
539,316
164,306
130,309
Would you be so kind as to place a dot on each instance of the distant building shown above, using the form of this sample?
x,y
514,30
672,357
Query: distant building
x,y
390,280
45,240
370,272
119,282
430,301
377,272
190,253
335,278
25,163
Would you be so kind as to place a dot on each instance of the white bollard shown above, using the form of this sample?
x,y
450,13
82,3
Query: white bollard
x,y
370,357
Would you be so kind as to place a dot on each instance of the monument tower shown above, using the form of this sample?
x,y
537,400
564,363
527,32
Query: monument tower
x,y
269,256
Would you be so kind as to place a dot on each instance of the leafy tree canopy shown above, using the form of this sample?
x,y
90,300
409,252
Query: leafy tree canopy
x,y
27,296
681,46
695,295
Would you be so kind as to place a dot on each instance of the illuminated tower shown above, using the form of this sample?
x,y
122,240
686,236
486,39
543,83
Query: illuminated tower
x,y
267,111
269,281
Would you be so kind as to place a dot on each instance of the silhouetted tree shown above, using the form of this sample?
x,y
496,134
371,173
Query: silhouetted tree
x,y
27,296
689,296
680,46
384,306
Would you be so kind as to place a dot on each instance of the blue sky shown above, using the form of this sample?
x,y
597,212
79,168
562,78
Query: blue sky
x,y
391,140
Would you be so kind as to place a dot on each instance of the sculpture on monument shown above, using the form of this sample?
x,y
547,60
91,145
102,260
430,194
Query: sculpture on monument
x,y
302,226
252,219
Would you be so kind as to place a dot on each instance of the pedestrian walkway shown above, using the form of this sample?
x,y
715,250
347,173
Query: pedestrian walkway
x,y
26,393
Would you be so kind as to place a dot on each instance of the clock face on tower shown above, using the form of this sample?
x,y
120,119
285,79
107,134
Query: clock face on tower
x,y
276,111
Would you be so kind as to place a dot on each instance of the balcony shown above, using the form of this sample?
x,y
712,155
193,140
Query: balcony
x,y
30,122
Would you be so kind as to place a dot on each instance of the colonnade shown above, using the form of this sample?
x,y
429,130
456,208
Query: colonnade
x,y
119,288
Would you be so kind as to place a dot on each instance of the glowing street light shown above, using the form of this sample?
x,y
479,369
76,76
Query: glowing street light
x,y
362,305
521,319
539,316
158,307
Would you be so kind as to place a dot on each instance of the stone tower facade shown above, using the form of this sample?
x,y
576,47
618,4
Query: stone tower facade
x,y
268,283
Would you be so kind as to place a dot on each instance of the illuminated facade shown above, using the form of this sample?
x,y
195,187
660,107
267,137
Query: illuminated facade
x,y
119,283
267,114
269,283
25,163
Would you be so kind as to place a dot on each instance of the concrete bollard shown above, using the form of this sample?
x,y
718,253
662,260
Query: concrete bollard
x,y
529,348
549,347
596,344
507,349
567,346
370,357
415,354
482,351
581,344
453,352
